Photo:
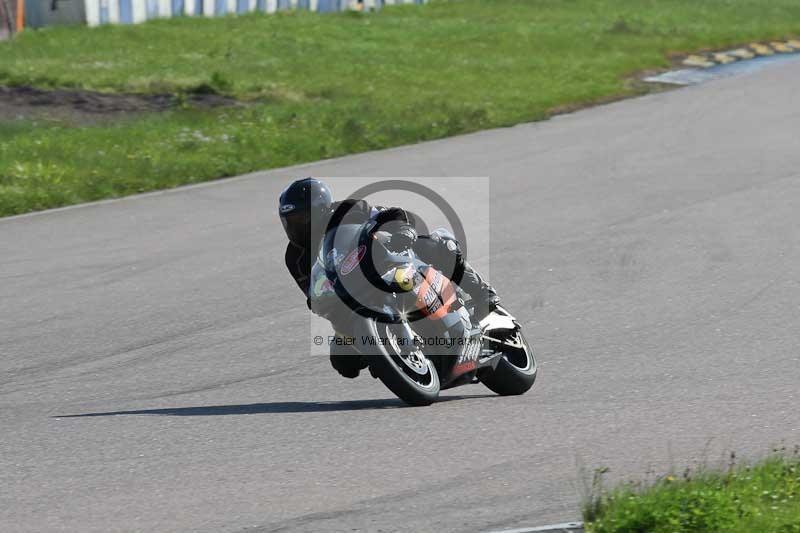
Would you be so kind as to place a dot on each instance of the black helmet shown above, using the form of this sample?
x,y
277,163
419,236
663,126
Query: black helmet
x,y
303,202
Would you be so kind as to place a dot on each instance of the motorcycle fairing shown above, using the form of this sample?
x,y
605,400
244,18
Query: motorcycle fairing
x,y
435,293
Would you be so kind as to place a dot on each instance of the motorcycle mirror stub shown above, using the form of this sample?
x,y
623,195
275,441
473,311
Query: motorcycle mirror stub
x,y
404,278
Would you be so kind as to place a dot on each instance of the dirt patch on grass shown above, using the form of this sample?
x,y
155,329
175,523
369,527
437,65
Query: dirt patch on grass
x,y
87,107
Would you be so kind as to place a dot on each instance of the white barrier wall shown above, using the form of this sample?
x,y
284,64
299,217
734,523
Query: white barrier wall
x,y
135,11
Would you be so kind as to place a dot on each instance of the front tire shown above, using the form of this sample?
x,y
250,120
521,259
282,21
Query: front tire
x,y
412,377
515,372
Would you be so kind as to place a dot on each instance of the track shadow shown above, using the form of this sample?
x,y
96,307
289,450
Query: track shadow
x,y
273,408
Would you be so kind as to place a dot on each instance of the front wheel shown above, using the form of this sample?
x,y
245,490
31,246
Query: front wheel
x,y
403,367
516,371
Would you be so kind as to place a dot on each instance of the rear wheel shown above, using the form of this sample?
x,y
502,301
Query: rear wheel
x,y
403,367
516,371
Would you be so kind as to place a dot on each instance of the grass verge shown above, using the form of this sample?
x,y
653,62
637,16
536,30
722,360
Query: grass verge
x,y
764,498
319,86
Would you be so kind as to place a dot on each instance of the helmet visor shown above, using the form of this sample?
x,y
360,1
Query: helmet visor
x,y
297,227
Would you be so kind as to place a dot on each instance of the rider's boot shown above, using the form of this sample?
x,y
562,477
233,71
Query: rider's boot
x,y
346,366
346,360
442,250
483,295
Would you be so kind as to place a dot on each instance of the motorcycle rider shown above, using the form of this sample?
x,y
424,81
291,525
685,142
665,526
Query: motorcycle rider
x,y
306,200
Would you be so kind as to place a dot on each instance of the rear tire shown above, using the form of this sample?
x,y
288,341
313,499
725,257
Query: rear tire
x,y
418,388
515,372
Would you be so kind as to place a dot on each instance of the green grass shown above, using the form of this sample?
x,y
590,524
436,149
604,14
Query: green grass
x,y
763,498
320,86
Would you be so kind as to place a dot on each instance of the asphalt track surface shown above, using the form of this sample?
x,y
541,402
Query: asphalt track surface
x,y
650,247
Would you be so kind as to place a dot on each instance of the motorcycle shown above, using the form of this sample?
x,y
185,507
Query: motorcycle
x,y
411,326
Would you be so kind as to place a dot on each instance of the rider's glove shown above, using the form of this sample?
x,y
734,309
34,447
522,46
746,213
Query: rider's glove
x,y
402,239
